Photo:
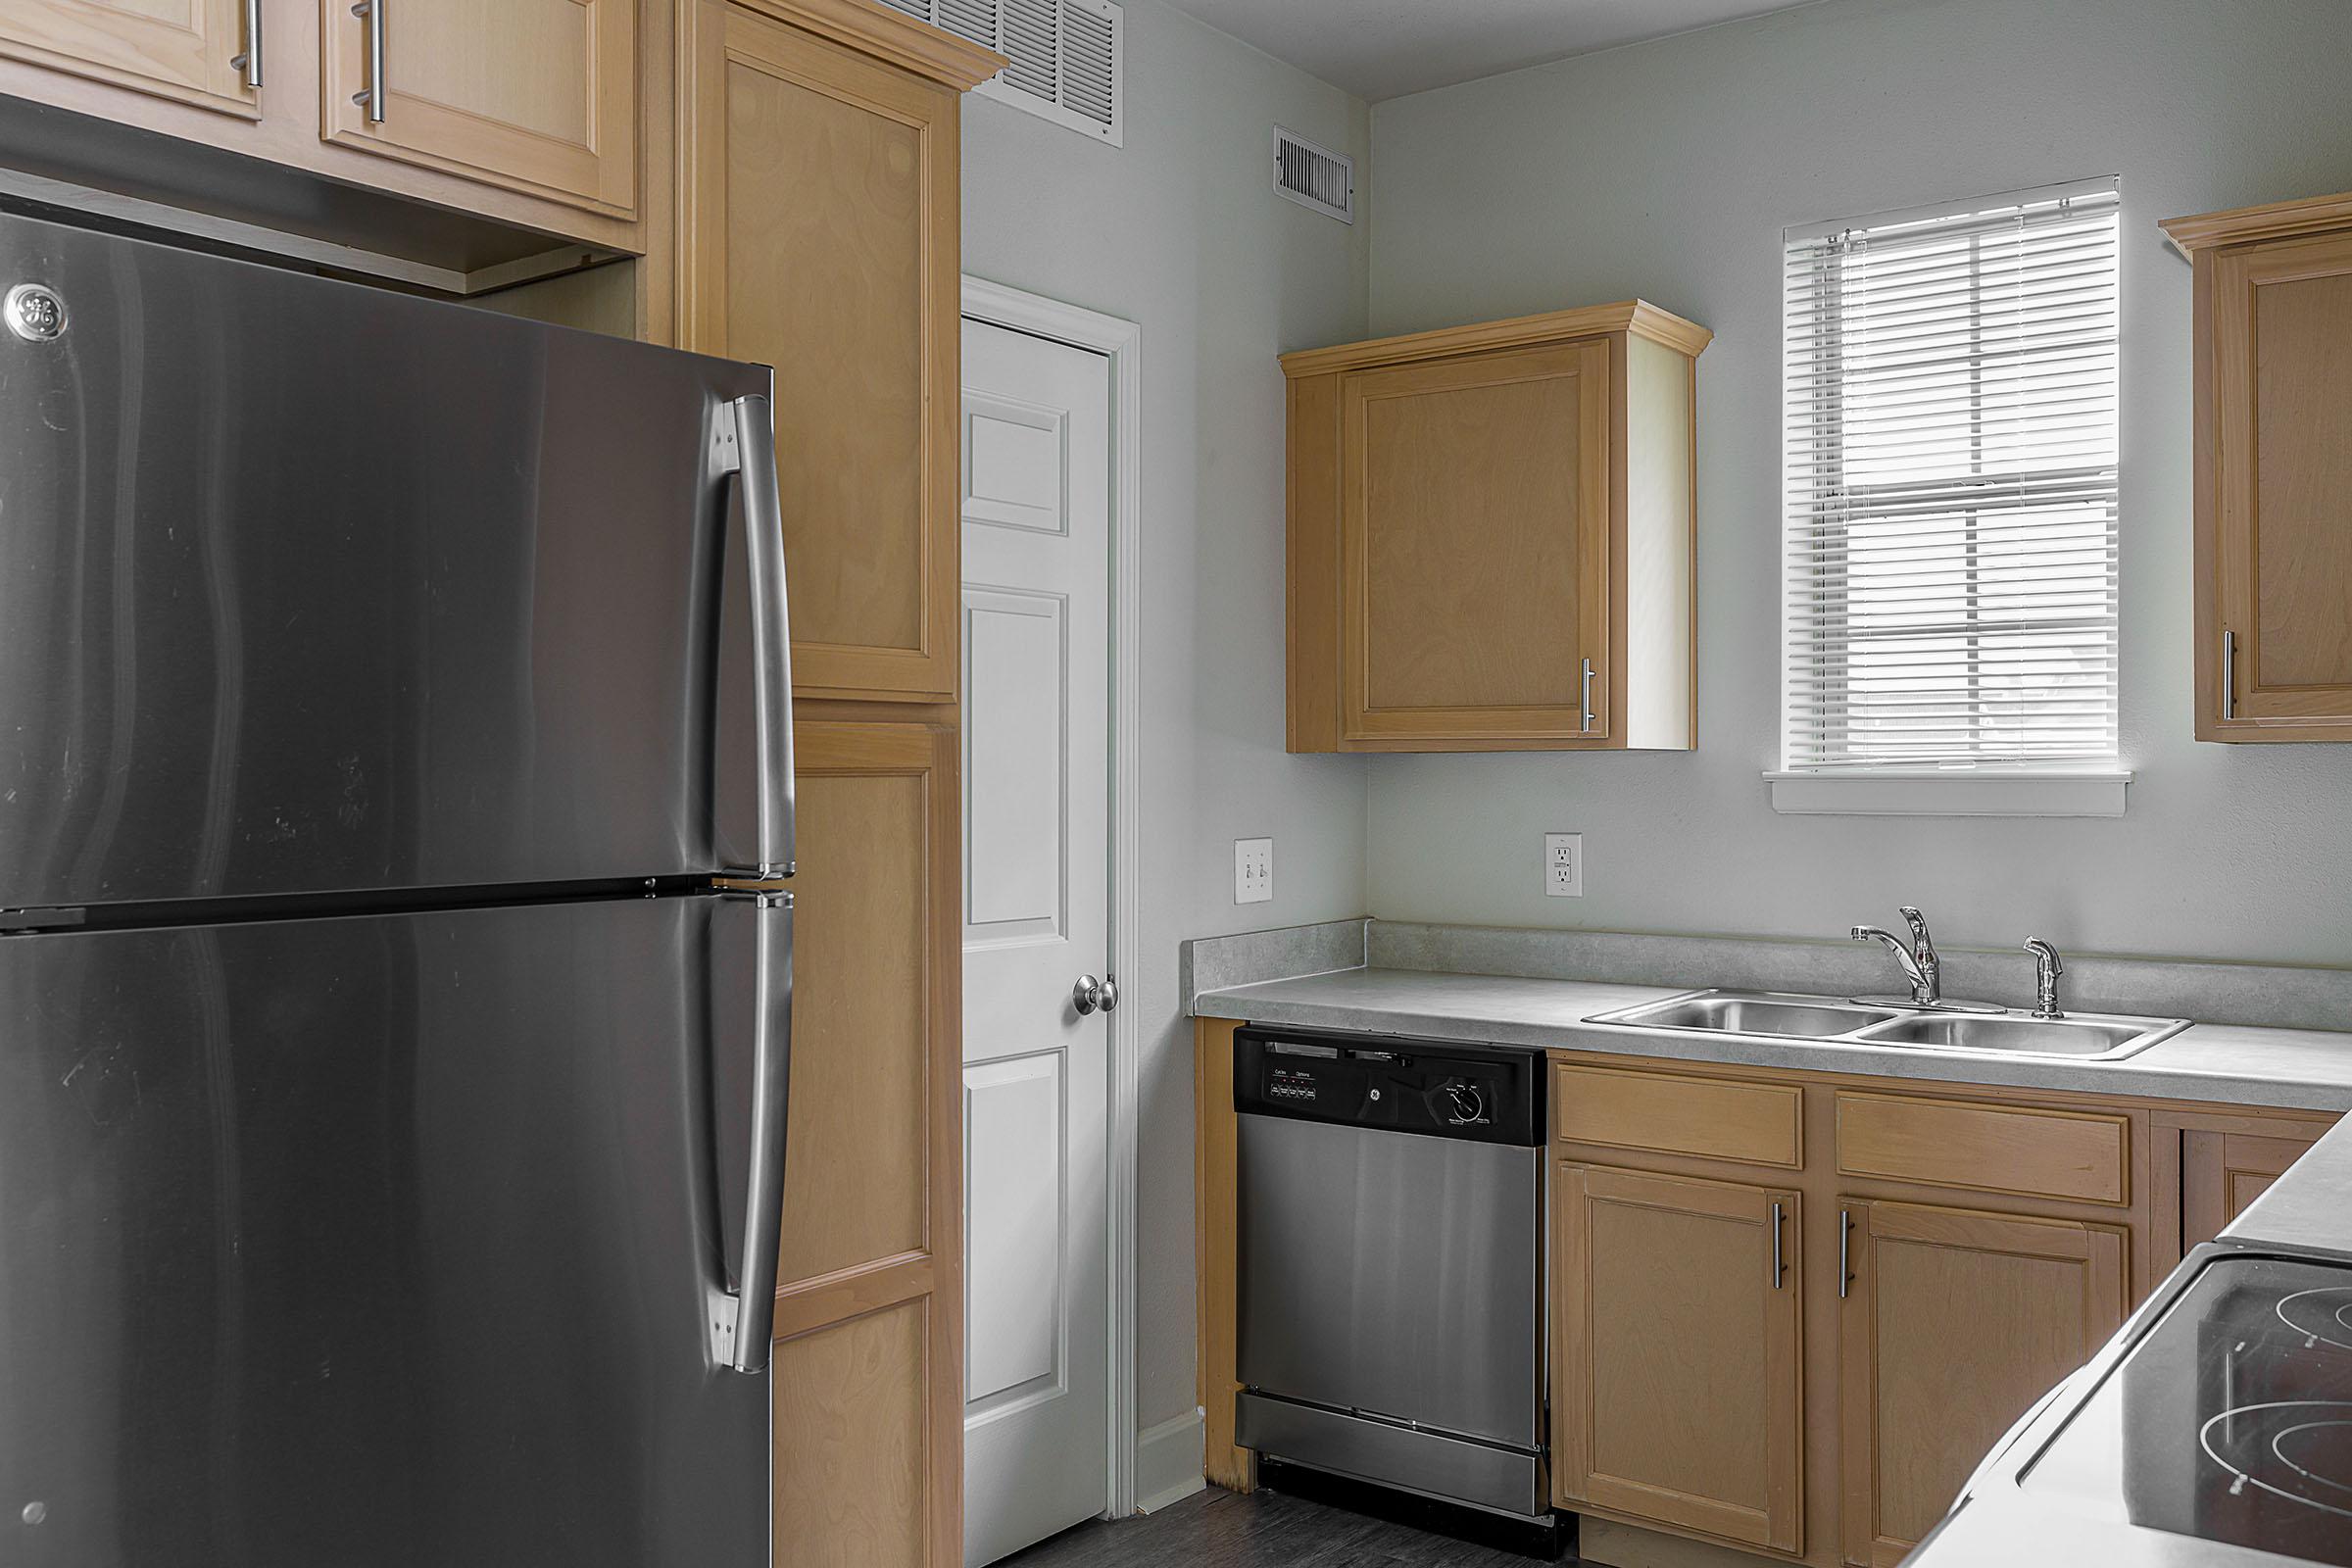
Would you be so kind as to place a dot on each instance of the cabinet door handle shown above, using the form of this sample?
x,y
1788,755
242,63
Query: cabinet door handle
x,y
2229,674
1780,1270
373,95
1846,1236
250,61
1587,697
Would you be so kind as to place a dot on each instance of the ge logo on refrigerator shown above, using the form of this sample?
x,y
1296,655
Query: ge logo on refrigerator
x,y
35,314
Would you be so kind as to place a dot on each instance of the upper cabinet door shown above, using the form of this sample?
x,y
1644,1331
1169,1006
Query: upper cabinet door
x,y
534,95
820,237
193,51
1474,548
2282,489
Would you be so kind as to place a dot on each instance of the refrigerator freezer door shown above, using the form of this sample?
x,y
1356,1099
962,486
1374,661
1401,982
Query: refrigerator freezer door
x,y
379,1241
313,588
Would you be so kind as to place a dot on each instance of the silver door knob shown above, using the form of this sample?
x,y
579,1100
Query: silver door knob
x,y
1089,992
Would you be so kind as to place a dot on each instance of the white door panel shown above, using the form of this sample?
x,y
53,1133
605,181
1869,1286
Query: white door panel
x,y
1016,842
1014,1128
1036,443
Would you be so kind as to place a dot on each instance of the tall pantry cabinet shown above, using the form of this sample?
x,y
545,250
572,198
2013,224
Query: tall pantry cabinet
x,y
816,231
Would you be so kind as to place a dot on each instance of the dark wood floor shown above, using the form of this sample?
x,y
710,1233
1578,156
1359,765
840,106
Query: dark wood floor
x,y
1216,1529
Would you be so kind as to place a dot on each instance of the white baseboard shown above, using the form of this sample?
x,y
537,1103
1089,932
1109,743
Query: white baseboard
x,y
1167,1462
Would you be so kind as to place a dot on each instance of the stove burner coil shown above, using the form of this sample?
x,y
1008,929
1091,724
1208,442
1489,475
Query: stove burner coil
x,y
2321,1316
2287,1422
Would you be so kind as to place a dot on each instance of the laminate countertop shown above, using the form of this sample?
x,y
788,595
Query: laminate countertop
x,y
2302,1069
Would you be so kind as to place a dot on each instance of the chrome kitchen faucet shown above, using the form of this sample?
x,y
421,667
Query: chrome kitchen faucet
x,y
1920,965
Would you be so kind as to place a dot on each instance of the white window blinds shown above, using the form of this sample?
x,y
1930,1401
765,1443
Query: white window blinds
x,y
1949,468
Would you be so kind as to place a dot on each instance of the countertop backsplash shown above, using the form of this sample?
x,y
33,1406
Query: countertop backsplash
x,y
2267,996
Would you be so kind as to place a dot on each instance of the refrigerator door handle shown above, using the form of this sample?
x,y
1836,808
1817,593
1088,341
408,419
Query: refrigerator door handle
x,y
747,448
743,1319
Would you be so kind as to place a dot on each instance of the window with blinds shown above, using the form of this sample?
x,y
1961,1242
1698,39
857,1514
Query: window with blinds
x,y
1949,468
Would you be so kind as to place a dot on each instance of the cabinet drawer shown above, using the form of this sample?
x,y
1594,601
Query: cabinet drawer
x,y
1714,1118
2080,1156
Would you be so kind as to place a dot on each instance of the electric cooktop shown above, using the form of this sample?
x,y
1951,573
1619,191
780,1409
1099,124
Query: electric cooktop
x,y
2230,1420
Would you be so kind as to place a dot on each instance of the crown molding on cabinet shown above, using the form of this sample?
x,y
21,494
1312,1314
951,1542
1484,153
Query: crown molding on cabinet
x,y
873,28
1636,316
2312,215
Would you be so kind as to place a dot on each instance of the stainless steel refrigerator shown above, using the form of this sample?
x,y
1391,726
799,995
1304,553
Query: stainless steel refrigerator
x,y
392,1103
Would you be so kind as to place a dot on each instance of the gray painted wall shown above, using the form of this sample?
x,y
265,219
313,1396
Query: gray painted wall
x,y
1668,170
1180,233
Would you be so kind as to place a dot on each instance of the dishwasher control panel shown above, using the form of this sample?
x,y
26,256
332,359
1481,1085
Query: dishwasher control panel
x,y
1437,1088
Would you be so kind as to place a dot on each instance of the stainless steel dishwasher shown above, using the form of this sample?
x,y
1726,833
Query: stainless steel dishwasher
x,y
1390,1263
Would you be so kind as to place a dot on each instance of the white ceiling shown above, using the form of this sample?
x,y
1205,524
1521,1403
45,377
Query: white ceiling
x,y
1383,48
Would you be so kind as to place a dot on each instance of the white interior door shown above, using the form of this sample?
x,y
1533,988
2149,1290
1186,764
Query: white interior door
x,y
1036,431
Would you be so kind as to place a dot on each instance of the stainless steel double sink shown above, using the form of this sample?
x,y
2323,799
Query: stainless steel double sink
x,y
1776,1015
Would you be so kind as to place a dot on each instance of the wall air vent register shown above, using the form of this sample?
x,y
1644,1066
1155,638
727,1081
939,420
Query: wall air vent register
x,y
1314,177
1065,55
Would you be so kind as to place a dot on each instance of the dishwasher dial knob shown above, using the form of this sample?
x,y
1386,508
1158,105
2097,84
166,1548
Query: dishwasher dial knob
x,y
1467,1104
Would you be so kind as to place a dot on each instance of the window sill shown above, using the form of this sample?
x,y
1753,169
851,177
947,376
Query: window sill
x,y
1948,792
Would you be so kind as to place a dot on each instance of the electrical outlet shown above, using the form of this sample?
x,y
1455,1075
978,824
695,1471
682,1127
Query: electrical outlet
x,y
1252,870
1565,865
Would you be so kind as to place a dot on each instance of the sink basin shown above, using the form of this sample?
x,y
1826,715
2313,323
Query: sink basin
x,y
2096,1038
2080,1037
1730,1013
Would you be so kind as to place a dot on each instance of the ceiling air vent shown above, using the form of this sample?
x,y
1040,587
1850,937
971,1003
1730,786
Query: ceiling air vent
x,y
1314,177
1064,53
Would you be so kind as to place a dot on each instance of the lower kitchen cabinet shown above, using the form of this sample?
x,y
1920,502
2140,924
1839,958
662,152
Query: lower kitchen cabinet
x,y
1954,1321
1678,1372
870,1321
855,1458
2225,1163
1729,1384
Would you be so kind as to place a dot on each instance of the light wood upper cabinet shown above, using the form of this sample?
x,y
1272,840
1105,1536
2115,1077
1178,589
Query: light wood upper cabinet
x,y
820,237
1490,537
535,95
1954,1322
1474,544
511,143
2273,502
1677,1371
187,50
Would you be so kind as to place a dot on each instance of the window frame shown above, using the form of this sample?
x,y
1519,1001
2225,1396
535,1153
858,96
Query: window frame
x,y
2075,787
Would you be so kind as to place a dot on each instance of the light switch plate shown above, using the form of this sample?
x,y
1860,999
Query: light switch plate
x,y
1252,870
1565,865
